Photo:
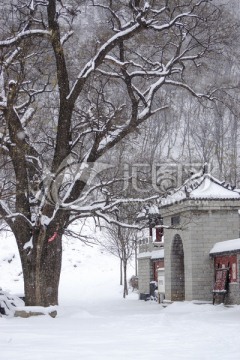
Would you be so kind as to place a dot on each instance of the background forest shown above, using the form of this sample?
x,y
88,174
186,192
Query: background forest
x,y
189,132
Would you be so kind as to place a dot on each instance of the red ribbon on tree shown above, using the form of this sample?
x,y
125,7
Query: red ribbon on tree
x,y
53,237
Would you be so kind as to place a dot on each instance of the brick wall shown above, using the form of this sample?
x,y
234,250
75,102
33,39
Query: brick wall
x,y
204,224
144,274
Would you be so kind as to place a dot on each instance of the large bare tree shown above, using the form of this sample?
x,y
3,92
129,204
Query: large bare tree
x,y
77,77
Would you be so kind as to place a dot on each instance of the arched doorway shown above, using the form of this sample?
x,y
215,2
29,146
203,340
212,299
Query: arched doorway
x,y
177,270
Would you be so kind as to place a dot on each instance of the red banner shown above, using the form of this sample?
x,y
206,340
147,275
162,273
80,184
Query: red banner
x,y
221,281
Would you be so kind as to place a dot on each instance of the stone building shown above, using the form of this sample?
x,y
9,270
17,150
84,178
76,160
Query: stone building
x,y
196,216
226,257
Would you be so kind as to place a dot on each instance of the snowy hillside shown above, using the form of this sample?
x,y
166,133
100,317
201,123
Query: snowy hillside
x,y
10,267
85,266
94,322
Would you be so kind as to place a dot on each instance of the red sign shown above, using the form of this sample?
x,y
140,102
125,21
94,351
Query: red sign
x,y
230,262
221,281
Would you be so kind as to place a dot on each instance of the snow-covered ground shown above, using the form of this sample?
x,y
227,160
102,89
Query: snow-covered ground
x,y
94,322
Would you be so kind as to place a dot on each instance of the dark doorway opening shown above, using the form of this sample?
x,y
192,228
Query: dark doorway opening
x,y
177,270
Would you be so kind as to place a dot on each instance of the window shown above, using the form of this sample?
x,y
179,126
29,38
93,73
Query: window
x,y
175,220
159,234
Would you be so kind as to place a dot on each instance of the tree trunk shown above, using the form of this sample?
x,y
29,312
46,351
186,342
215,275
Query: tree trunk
x,y
41,269
125,286
121,272
136,262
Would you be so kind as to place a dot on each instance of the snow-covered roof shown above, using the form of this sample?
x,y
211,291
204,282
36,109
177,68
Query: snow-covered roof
x,y
201,186
158,254
226,246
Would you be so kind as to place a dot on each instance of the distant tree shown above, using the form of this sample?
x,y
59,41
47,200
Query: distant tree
x,y
121,242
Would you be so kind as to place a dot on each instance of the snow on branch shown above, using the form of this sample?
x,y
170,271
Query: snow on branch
x,y
66,36
27,116
24,35
7,215
116,61
11,57
112,206
99,57
35,3
140,21
191,90
111,220
173,21
101,185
